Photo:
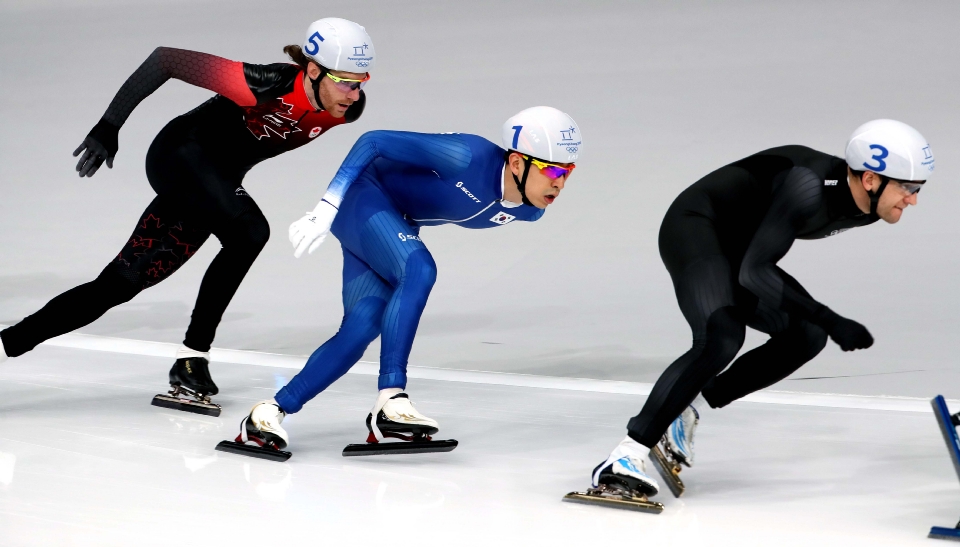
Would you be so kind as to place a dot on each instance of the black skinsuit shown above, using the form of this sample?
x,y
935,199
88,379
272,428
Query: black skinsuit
x,y
720,241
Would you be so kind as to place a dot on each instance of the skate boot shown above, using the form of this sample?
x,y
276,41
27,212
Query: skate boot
x,y
397,418
621,481
262,429
190,385
676,449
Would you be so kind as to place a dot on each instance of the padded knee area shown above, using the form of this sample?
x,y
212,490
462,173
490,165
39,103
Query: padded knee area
x,y
723,338
247,233
810,339
420,269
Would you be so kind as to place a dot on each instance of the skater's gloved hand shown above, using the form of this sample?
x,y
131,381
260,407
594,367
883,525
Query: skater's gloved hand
x,y
847,333
309,232
100,145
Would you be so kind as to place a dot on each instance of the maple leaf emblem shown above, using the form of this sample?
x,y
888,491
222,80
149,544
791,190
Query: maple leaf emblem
x,y
272,116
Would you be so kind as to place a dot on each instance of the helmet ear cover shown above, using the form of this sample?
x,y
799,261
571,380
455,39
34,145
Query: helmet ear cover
x,y
521,182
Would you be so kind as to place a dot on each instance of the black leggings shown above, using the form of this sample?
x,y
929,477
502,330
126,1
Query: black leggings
x,y
718,310
196,196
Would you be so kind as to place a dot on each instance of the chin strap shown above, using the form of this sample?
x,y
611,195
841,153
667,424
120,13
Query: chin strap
x,y
316,86
875,196
522,182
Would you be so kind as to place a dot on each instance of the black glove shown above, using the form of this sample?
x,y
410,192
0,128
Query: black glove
x,y
100,144
848,334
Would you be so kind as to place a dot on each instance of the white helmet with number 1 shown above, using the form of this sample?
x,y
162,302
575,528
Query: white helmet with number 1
x,y
544,133
892,149
338,44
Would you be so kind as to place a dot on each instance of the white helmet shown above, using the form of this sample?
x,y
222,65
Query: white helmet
x,y
544,133
338,44
892,149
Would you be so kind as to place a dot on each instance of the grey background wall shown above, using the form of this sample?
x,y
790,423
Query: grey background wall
x,y
664,92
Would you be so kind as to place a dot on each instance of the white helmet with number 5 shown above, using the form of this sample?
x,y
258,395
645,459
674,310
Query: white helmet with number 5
x,y
544,133
338,44
892,149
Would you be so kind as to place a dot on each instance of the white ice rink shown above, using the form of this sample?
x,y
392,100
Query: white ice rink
x,y
845,453
85,460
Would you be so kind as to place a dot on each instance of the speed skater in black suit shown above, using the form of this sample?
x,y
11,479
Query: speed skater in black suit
x,y
721,240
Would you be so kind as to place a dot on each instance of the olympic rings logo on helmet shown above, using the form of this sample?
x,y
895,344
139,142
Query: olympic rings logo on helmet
x,y
363,64
572,149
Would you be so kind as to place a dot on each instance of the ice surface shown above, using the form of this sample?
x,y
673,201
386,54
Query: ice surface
x,y
85,460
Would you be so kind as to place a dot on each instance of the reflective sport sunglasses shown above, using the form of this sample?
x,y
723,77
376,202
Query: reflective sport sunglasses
x,y
910,188
347,85
551,170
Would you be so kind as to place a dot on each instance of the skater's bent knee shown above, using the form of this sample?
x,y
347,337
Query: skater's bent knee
x,y
249,232
814,339
421,268
725,334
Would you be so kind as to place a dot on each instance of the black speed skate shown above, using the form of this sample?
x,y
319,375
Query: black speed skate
x,y
190,388
398,419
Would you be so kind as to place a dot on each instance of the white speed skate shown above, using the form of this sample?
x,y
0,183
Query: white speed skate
x,y
397,418
679,437
622,481
261,428
676,449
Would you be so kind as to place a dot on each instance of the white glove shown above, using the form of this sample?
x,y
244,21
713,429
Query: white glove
x,y
309,232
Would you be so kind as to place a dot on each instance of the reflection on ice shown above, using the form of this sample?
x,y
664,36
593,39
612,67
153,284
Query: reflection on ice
x,y
7,461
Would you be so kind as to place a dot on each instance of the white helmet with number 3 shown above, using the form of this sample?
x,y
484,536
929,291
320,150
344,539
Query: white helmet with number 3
x,y
338,44
544,133
892,149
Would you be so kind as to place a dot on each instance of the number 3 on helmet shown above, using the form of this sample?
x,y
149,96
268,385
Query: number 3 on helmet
x,y
892,149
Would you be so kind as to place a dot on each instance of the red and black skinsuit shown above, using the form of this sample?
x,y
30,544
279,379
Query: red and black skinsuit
x,y
196,165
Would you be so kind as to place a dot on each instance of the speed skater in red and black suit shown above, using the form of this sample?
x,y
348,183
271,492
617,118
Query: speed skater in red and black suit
x,y
196,165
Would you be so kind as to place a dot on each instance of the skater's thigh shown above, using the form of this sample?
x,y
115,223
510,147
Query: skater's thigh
x,y
163,240
360,282
371,227
208,189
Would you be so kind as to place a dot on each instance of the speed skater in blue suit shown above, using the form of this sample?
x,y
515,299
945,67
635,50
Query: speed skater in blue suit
x,y
390,185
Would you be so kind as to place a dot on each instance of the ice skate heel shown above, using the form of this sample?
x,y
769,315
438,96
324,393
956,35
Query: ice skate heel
x,y
616,496
948,426
187,400
669,469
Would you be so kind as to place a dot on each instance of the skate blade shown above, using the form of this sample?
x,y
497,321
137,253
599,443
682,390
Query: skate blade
x,y
405,447
234,447
186,405
939,532
629,503
669,471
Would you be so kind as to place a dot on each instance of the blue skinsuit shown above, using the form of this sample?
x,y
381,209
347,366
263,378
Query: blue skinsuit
x,y
390,184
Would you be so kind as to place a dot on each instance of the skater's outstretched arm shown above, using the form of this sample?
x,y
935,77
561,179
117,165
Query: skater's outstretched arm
x,y
795,201
200,69
445,154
